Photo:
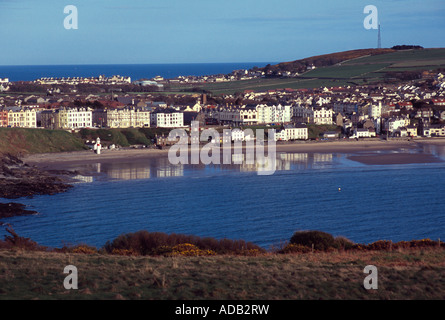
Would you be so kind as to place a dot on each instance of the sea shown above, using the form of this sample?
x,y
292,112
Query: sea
x,y
308,191
135,71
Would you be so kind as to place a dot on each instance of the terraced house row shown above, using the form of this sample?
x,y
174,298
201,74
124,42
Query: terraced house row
x,y
82,117
18,117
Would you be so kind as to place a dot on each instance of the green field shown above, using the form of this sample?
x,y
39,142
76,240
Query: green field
x,y
352,72
22,141
345,71
402,275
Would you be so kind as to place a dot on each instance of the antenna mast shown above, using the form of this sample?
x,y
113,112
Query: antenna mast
x,y
379,41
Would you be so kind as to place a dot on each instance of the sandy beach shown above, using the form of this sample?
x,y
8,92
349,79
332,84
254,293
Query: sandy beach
x,y
362,151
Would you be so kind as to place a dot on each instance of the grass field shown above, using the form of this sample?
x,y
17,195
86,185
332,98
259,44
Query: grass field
x,y
402,274
22,140
352,72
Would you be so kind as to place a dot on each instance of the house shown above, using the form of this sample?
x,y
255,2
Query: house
x,y
244,115
424,112
3,117
375,111
411,130
269,113
67,118
290,132
22,117
392,124
437,130
401,132
361,133
310,114
167,118
237,134
330,135
339,120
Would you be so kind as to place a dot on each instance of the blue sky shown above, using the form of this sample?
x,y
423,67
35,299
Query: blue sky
x,y
194,31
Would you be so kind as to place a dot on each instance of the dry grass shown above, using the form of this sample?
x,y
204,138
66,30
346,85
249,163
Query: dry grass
x,y
402,274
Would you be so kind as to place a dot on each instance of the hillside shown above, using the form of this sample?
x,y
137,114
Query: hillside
x,y
155,265
301,65
19,141
356,67
403,274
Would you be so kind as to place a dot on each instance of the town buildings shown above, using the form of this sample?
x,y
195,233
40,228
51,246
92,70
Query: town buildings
x,y
167,118
122,118
22,117
67,118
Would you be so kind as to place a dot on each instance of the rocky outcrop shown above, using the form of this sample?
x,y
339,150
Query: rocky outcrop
x,y
19,180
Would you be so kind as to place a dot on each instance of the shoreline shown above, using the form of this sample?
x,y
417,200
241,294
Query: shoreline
x,y
361,150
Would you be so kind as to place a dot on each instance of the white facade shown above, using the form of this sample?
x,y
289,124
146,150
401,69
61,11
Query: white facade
x,y
274,114
74,118
237,135
323,116
362,133
167,119
246,115
291,133
375,111
316,115
393,124
22,117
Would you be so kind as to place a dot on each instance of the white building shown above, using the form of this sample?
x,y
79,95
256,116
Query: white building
x,y
289,132
316,115
245,115
363,133
274,114
167,118
237,135
67,118
22,117
74,118
392,124
375,111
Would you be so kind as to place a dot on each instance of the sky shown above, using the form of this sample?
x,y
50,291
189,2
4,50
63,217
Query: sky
x,y
207,31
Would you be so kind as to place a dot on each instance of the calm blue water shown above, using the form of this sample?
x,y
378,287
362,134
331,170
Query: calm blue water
x,y
135,71
390,202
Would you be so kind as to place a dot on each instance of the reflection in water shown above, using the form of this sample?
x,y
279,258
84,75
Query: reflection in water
x,y
438,151
83,179
162,168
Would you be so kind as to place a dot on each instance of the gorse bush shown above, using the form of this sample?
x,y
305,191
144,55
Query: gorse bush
x,y
14,241
158,243
320,240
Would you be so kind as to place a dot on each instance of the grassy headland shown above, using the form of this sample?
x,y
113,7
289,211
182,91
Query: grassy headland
x,y
402,274
355,67
18,141
406,270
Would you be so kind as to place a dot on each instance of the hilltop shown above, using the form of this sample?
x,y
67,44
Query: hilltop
x,y
302,65
348,68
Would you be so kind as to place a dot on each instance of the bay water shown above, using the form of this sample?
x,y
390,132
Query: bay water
x,y
308,191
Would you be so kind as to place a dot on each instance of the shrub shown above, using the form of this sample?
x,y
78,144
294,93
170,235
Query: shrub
x,y
343,243
82,248
157,243
14,241
295,248
321,240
